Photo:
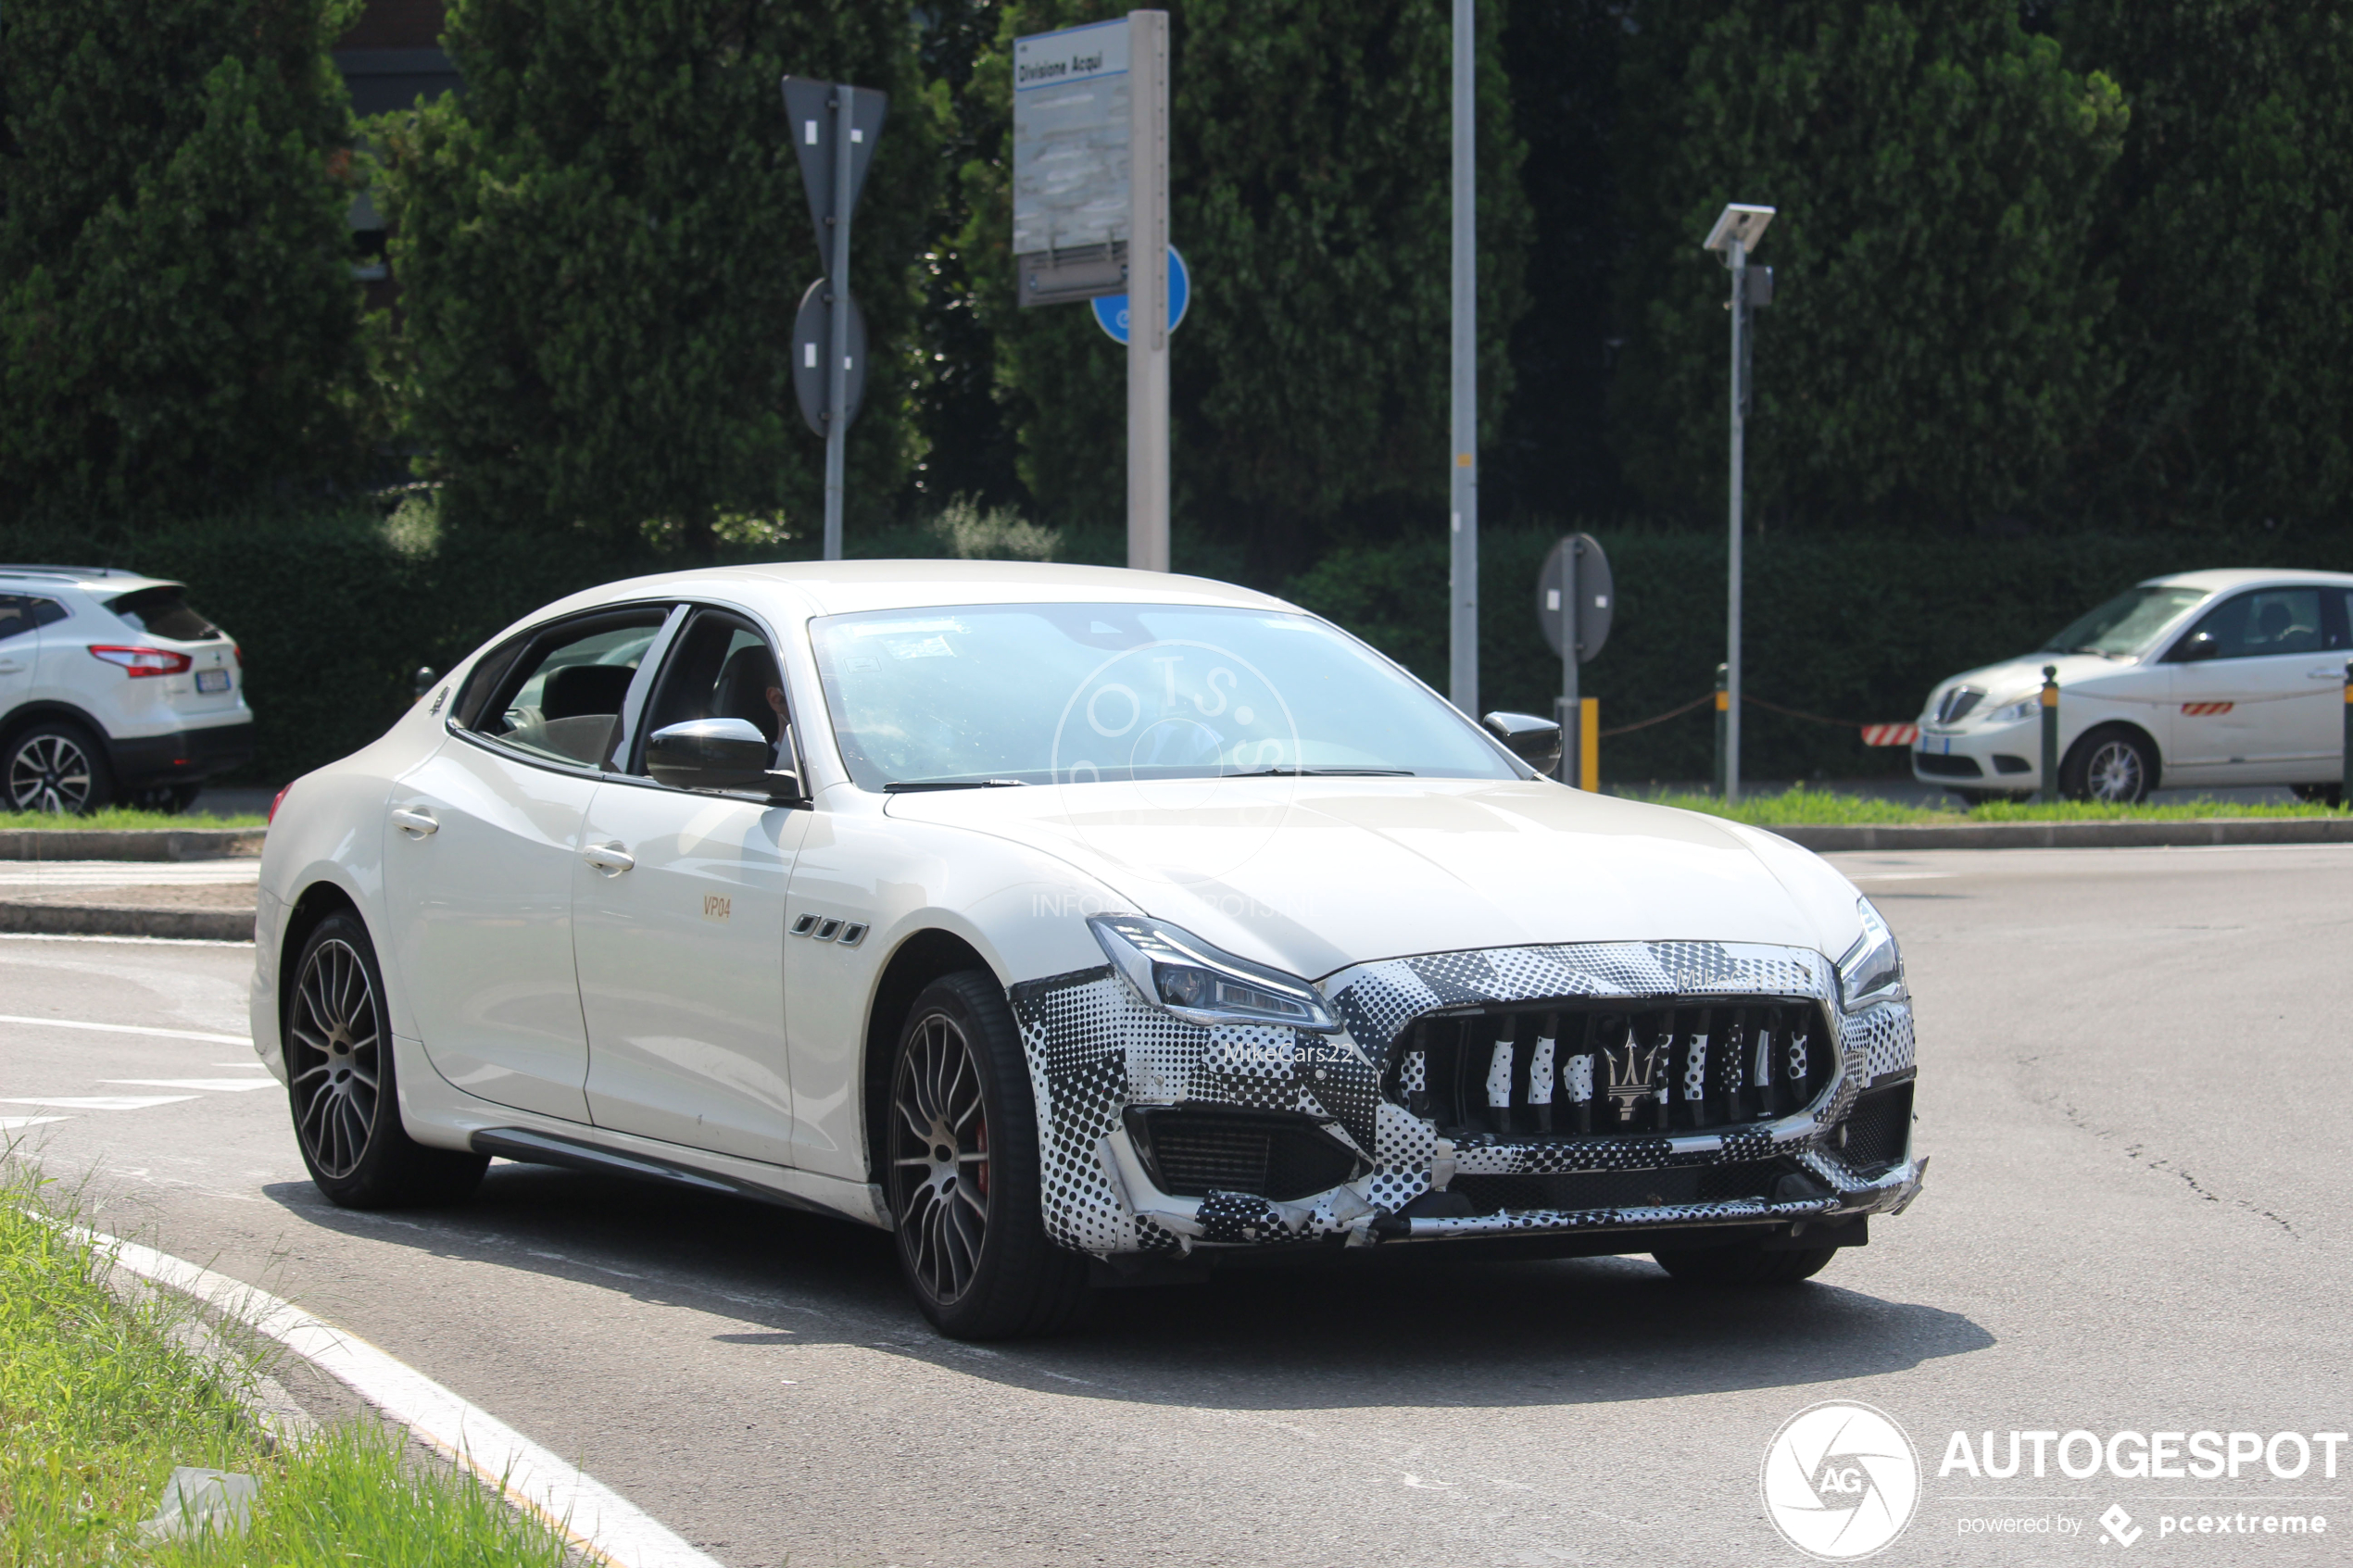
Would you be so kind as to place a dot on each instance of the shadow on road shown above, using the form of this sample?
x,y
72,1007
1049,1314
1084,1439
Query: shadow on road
x,y
1412,1328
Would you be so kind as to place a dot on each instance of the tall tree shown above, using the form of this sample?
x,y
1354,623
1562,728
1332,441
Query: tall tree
x,y
2228,230
1310,191
176,300
1934,352
603,248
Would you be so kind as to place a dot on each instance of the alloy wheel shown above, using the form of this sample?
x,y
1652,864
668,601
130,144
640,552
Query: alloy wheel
x,y
49,773
2113,773
337,1032
939,1157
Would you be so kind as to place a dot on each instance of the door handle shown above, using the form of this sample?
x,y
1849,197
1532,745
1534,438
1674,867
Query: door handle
x,y
416,824
10,667
609,858
2325,672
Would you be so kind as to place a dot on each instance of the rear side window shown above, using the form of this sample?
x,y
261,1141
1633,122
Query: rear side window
x,y
21,613
163,612
562,700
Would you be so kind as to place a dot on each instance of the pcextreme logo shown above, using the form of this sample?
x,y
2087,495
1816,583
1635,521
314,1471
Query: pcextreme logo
x,y
1840,1481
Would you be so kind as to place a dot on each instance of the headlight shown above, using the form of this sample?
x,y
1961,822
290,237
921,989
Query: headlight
x,y
1873,970
1178,972
2024,708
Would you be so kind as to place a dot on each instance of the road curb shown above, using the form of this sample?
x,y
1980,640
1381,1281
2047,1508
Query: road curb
x,y
107,920
135,843
2196,832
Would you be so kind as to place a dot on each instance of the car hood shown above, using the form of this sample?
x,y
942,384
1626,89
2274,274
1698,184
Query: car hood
x,y
2013,678
1315,874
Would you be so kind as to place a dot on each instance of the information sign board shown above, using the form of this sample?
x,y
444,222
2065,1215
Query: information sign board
x,y
1071,162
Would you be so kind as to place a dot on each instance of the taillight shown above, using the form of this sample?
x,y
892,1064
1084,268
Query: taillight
x,y
142,662
238,654
275,801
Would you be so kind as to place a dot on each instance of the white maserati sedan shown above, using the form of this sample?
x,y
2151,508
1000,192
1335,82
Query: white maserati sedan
x,y
1080,927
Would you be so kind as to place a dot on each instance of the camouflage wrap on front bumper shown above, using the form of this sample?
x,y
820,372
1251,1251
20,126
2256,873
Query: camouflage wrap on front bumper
x,y
1095,1048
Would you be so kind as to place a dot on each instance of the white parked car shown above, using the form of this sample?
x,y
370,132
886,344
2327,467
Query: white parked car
x,y
113,691
1078,926
2213,678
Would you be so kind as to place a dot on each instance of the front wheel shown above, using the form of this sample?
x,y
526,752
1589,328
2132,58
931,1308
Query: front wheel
x,y
340,1082
2110,766
2319,794
962,1172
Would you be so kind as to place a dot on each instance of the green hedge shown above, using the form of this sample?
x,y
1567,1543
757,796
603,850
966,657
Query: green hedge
x,y
334,614
1850,627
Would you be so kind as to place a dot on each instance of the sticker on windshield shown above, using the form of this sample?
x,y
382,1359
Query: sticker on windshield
x,y
903,628
928,648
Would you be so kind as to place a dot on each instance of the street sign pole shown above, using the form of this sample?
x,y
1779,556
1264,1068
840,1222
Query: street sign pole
x,y
1148,291
1570,650
1736,257
1463,467
837,324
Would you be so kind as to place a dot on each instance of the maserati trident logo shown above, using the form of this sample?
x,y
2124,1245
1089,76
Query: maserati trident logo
x,y
1633,1074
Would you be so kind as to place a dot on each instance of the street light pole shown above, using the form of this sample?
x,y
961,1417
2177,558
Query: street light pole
x,y
1461,630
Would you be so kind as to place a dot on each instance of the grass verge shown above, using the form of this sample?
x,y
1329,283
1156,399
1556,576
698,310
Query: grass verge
x,y
98,1404
117,819
1809,807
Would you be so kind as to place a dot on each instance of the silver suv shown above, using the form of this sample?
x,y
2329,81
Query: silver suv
x,y
113,690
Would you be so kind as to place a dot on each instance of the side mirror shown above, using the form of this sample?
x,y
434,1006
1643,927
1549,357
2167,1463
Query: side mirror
x,y
718,754
2196,646
1534,741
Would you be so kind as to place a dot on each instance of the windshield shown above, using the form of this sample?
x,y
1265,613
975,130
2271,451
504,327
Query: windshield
x,y
1073,693
2126,623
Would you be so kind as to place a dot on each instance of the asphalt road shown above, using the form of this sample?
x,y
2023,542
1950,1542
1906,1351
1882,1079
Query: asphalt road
x,y
2134,1074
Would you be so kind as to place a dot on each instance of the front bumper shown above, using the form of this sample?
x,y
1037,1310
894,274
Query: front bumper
x,y
181,755
1096,1051
1995,757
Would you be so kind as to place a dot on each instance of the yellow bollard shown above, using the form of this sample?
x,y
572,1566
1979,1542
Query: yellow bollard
x,y
1588,743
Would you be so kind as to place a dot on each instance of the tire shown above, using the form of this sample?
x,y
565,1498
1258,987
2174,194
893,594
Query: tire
x,y
1744,1262
962,1169
56,766
341,1087
2112,765
2320,795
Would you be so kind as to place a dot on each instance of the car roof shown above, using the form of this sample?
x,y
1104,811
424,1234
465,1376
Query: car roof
x,y
2243,577
96,579
854,586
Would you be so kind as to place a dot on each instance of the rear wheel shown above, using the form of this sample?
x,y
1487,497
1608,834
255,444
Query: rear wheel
x,y
2110,766
1744,1262
340,1081
56,766
962,1153
2320,795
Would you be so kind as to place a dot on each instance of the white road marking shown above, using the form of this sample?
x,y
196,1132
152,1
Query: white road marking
x,y
595,1517
128,873
129,1028
1895,876
228,1083
258,1067
15,1123
134,941
93,1102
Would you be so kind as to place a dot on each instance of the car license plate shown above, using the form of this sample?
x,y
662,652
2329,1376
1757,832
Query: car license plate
x,y
212,680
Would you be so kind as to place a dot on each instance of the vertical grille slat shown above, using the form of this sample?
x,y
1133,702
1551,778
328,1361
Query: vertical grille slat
x,y
1614,1068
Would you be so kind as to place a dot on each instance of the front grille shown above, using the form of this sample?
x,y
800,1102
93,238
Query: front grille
x,y
1948,767
1192,1153
1878,1130
1582,1068
1626,1189
1958,704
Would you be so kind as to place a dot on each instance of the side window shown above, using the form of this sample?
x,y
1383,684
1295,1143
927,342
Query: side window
x,y
21,613
562,699
723,668
2269,621
2338,603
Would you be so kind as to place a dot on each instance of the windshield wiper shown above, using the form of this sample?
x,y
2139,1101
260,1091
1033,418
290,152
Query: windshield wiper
x,y
907,786
1325,773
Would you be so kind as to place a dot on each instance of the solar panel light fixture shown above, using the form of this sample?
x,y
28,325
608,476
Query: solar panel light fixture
x,y
1739,224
